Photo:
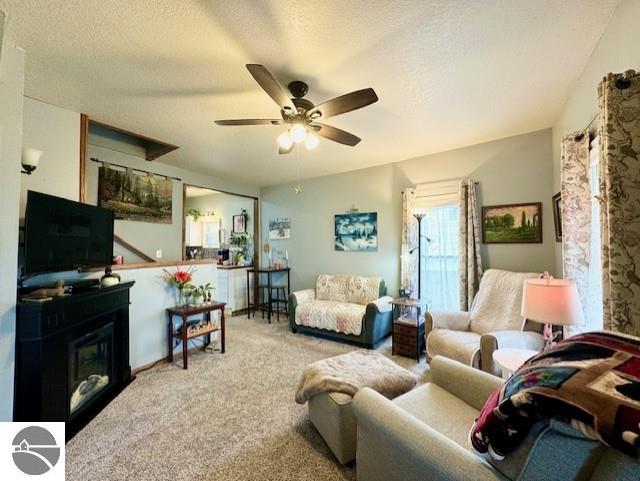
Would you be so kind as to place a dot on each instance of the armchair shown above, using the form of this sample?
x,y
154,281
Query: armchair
x,y
424,434
493,322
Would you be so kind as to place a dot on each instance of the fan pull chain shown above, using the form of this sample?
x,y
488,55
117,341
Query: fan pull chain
x,y
298,188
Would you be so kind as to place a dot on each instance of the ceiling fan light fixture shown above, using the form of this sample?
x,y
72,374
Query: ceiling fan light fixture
x,y
298,133
311,141
284,140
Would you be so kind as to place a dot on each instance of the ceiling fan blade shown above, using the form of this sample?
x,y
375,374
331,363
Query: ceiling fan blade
x,y
270,84
344,103
335,134
286,151
250,122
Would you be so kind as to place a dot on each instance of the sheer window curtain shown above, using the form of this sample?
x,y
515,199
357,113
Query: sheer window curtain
x,y
440,258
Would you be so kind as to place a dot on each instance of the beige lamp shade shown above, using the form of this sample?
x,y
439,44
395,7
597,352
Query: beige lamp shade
x,y
553,301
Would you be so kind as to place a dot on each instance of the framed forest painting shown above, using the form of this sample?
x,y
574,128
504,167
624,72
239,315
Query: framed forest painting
x,y
512,223
135,197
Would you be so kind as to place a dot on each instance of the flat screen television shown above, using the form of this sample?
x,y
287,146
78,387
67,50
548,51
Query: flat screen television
x,y
63,235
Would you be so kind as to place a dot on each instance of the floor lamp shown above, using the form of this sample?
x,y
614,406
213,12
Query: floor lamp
x,y
419,215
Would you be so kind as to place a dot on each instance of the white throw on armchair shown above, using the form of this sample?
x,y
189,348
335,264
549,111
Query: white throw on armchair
x,y
493,322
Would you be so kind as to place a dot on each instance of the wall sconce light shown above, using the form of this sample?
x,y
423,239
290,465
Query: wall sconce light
x,y
30,159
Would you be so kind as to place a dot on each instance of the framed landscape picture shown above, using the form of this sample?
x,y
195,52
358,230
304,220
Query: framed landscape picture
x,y
280,228
357,232
512,223
135,197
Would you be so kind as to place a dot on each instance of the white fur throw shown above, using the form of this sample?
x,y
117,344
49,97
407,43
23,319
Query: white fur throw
x,y
350,372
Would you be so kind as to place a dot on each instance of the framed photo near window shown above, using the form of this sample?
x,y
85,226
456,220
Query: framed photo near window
x,y
239,224
557,215
512,223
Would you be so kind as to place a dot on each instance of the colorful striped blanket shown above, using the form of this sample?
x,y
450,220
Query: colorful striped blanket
x,y
590,381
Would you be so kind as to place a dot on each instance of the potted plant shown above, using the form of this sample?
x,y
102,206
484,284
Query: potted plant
x,y
206,291
194,214
239,244
196,294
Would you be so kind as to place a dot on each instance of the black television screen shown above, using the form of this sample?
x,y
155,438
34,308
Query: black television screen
x,y
62,235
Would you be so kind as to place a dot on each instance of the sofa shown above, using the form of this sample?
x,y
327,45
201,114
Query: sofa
x,y
343,307
423,434
493,322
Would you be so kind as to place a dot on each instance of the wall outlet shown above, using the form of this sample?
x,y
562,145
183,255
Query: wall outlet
x,y
158,253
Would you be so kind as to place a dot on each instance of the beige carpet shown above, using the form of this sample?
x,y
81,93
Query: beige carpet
x,y
228,417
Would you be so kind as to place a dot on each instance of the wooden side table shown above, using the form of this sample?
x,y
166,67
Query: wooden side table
x,y
408,327
185,333
509,359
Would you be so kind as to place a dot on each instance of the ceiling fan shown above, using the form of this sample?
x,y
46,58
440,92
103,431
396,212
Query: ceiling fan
x,y
301,114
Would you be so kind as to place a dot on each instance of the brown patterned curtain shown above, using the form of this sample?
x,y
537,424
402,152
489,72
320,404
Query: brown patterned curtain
x,y
576,214
409,265
470,263
619,115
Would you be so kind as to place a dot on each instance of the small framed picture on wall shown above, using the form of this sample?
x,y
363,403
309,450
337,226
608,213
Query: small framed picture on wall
x,y
239,224
557,215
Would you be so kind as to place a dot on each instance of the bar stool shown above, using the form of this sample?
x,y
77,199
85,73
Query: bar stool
x,y
279,300
260,303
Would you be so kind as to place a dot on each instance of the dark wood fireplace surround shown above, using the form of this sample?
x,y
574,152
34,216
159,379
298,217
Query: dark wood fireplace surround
x,y
45,338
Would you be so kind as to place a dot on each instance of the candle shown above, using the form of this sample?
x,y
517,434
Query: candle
x,y
286,254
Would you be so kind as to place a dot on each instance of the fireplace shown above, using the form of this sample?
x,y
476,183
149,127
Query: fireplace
x,y
91,367
72,356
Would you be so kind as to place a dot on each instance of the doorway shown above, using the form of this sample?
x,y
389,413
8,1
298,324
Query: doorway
x,y
220,226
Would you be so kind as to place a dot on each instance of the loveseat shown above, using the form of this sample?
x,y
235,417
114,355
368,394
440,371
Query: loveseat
x,y
344,307
424,434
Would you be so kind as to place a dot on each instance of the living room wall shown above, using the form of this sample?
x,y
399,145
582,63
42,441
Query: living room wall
x,y
511,170
616,51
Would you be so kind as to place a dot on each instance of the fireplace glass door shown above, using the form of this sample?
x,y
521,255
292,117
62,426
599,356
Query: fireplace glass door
x,y
90,367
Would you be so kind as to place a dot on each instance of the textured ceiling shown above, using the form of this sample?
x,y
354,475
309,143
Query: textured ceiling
x,y
448,73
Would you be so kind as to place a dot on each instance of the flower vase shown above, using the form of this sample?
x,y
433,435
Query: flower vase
x,y
181,297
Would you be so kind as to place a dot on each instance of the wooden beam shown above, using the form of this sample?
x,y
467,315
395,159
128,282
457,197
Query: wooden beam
x,y
133,248
84,143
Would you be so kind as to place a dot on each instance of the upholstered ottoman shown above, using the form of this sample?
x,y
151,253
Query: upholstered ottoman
x,y
332,416
330,384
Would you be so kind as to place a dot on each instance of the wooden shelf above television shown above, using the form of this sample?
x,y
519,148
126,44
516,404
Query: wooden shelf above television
x,y
153,148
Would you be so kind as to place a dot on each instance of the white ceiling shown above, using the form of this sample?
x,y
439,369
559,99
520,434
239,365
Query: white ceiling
x,y
448,73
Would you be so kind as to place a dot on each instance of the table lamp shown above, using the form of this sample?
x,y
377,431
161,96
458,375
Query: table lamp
x,y
551,301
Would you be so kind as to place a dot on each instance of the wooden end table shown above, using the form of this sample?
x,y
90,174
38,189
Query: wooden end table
x,y
408,327
185,333
509,359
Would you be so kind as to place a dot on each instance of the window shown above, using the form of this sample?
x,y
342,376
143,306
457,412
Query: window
x,y
440,258
440,234
593,303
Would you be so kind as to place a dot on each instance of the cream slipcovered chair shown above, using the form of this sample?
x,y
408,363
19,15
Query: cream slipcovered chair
x,y
493,322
